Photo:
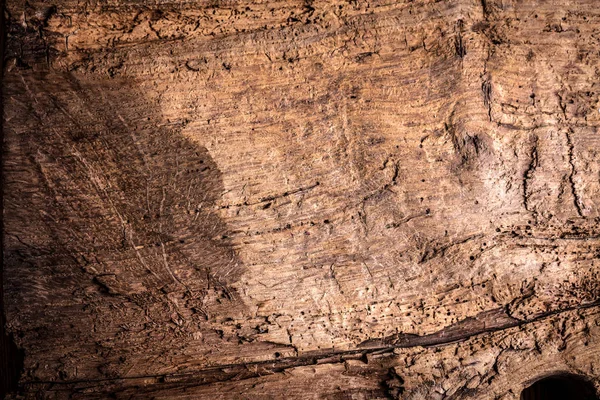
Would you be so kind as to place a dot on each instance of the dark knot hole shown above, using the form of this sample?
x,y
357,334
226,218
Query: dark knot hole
x,y
561,387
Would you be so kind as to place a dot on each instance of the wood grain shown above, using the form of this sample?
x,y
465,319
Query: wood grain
x,y
196,189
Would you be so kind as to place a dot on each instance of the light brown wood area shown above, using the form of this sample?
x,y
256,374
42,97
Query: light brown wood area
x,y
301,199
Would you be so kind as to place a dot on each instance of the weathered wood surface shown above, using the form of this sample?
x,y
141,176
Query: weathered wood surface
x,y
206,192
493,366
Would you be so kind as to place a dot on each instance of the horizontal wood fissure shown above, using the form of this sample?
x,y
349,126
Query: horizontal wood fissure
x,y
456,333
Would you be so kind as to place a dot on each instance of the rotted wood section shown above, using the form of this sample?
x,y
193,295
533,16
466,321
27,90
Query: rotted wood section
x,y
301,199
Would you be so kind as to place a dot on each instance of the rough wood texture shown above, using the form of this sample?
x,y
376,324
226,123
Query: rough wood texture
x,y
296,199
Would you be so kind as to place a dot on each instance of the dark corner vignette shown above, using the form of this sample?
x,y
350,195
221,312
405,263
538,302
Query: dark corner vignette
x,y
11,358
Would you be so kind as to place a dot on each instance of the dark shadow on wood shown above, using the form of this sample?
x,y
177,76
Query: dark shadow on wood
x,y
11,358
560,387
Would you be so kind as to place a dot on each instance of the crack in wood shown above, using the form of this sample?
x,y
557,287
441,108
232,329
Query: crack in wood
x,y
267,199
576,200
470,327
528,174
